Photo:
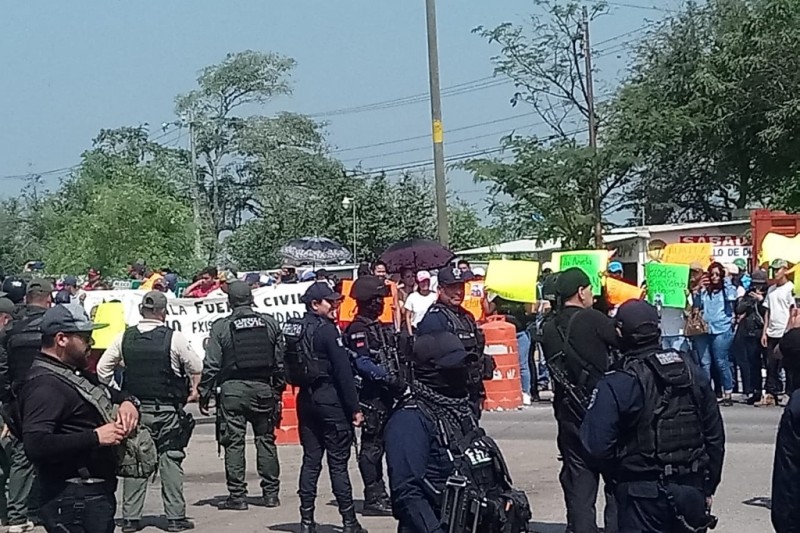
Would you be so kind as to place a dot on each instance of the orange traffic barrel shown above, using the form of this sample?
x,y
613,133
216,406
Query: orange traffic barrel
x,y
288,433
504,391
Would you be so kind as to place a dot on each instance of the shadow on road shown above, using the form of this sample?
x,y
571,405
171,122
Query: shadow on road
x,y
759,501
214,501
295,528
547,527
158,522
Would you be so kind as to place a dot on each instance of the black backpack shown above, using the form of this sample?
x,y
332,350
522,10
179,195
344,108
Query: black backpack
x,y
303,367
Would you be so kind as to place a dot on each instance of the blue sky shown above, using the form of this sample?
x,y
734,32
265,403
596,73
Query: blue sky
x,y
68,69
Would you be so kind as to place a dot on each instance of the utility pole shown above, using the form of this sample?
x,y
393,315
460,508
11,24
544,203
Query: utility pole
x,y
437,129
587,54
198,244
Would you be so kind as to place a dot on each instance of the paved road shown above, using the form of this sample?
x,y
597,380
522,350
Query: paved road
x,y
527,438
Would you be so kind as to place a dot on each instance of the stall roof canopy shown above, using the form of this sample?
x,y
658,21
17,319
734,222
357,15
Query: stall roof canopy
x,y
531,246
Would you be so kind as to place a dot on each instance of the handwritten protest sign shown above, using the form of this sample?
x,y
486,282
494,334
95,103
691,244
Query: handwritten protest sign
x,y
688,253
667,284
618,292
592,262
513,280
193,316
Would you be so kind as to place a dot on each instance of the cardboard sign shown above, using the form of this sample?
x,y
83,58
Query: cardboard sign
x,y
776,246
593,262
618,292
667,284
513,280
474,294
688,253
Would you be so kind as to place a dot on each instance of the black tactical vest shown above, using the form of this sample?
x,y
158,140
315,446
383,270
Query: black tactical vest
x,y
668,439
148,367
479,494
303,365
23,343
253,355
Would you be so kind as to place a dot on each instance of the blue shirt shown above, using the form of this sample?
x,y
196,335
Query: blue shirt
x,y
717,308
417,465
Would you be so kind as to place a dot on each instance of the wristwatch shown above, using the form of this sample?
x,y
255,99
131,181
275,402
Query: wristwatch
x,y
135,401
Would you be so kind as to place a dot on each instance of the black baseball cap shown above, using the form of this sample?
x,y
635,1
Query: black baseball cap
x,y
368,287
60,319
239,293
450,276
570,280
637,318
318,291
154,300
759,277
439,350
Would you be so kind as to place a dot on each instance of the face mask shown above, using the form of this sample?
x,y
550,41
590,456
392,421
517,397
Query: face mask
x,y
450,382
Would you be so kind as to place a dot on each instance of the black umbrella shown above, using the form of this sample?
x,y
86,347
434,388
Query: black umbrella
x,y
315,250
416,254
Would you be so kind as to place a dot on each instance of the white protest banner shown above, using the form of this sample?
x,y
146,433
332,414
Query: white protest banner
x,y
727,254
193,316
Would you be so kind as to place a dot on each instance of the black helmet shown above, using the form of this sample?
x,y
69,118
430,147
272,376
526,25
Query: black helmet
x,y
367,288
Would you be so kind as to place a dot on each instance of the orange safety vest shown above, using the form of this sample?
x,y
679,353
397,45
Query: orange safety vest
x,y
473,299
348,307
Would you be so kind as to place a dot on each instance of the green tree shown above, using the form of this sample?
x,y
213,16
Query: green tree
x,y
558,187
710,110
110,212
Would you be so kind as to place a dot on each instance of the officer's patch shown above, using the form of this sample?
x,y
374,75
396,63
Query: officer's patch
x,y
249,322
339,342
669,358
292,329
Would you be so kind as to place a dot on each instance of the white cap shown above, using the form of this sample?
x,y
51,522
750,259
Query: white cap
x,y
479,271
731,269
423,275
547,265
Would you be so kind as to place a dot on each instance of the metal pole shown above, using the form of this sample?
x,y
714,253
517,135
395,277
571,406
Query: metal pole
x,y
587,44
437,129
355,255
198,245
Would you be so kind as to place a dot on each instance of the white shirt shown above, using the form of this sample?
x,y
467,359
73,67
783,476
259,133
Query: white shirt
x,y
779,301
418,305
182,356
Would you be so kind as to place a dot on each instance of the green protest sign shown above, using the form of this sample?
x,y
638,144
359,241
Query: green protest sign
x,y
592,262
667,283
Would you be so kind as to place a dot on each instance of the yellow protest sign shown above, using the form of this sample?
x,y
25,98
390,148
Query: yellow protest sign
x,y
686,253
513,280
113,314
776,246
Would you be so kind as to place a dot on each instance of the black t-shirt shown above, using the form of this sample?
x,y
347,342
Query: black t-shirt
x,y
58,431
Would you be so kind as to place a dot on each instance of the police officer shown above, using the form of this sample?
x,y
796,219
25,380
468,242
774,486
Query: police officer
x,y
21,343
434,444
446,314
786,468
74,447
376,363
327,404
577,345
243,366
655,423
159,364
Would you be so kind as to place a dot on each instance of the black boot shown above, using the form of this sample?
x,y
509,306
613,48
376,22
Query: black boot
x,y
350,523
307,524
376,501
